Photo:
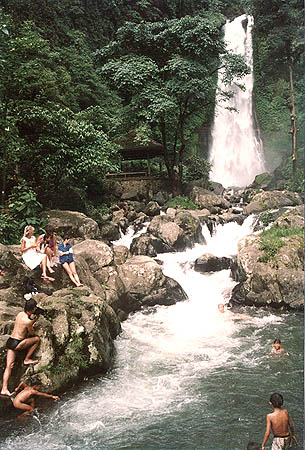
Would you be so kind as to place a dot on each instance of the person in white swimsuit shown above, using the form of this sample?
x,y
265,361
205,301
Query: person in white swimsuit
x,y
31,254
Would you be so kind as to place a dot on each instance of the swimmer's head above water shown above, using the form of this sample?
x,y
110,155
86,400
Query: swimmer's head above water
x,y
221,308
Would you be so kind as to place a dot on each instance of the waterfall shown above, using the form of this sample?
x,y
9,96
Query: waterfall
x,y
236,153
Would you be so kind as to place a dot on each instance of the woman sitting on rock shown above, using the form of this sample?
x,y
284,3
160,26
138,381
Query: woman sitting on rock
x,y
31,254
66,259
48,246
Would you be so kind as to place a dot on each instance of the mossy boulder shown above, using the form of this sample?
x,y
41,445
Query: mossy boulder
x,y
272,266
76,340
266,200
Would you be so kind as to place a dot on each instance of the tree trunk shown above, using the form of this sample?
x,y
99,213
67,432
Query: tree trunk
x,y
293,120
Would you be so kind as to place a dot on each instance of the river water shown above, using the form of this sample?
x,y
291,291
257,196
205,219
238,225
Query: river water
x,y
185,376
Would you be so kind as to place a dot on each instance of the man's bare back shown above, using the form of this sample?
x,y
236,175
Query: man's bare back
x,y
23,326
279,421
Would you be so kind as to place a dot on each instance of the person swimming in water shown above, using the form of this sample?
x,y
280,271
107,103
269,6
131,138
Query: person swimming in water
x,y
222,309
277,348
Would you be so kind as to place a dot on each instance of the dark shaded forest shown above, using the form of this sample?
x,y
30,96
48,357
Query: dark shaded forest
x,y
77,75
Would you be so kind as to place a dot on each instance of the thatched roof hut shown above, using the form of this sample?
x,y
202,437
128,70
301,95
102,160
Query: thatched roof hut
x,y
133,149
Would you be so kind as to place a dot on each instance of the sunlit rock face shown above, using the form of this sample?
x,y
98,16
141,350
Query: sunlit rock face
x,y
277,281
266,200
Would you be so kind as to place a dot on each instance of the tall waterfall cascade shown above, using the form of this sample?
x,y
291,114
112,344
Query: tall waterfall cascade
x,y
236,153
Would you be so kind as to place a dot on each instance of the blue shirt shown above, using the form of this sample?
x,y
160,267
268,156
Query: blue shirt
x,y
65,258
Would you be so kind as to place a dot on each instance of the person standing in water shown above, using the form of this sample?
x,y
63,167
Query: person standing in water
x,y
280,423
22,338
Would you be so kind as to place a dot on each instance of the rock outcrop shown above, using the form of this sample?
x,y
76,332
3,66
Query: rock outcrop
x,y
272,199
275,278
73,223
144,281
211,263
76,338
207,199
78,330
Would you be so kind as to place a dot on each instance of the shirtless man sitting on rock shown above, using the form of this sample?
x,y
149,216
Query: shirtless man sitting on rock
x,y
22,338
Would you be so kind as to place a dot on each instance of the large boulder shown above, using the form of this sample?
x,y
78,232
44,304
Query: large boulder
x,y
144,281
275,281
109,231
73,223
168,231
76,340
293,217
262,181
270,200
96,253
16,274
230,216
149,245
191,227
208,200
177,229
211,263
152,209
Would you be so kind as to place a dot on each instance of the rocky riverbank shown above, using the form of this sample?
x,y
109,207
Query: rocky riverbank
x,y
78,331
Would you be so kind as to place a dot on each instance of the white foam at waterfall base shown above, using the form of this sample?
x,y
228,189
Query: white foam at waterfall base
x,y
162,352
236,153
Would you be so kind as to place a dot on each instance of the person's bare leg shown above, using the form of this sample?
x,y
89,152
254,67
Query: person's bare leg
x,y
44,269
49,254
10,360
25,407
44,266
69,272
74,273
31,344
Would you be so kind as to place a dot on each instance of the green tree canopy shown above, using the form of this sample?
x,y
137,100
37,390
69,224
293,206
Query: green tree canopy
x,y
165,73
47,135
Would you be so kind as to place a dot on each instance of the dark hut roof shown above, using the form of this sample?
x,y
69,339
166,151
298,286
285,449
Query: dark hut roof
x,y
132,149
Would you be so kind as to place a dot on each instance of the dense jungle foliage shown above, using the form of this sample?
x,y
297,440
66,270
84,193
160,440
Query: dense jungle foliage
x,y
76,75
